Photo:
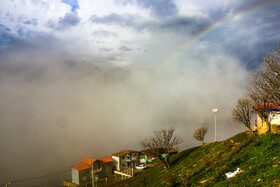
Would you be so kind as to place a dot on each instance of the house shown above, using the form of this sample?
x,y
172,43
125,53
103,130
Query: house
x,y
273,112
82,173
125,159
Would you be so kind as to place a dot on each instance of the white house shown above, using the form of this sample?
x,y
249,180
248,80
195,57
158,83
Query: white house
x,y
273,111
125,159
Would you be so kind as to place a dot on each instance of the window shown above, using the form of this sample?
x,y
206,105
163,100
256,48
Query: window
x,y
84,178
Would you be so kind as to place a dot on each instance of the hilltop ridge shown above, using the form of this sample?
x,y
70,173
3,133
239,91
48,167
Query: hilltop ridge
x,y
256,156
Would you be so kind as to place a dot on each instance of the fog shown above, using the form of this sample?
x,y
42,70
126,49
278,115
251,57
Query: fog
x,y
56,110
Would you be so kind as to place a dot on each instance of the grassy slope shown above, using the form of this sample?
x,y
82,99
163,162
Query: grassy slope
x,y
207,164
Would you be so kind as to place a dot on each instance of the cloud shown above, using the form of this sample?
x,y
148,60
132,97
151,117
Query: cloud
x,y
105,49
184,25
25,21
137,21
124,48
125,20
159,8
6,37
104,33
69,20
73,3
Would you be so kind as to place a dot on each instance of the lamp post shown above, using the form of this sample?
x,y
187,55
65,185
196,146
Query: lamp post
x,y
92,175
215,110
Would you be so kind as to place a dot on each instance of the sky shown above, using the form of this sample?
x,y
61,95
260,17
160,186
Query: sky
x,y
83,78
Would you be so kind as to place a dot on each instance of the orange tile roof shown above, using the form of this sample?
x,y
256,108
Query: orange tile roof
x,y
82,167
89,160
106,160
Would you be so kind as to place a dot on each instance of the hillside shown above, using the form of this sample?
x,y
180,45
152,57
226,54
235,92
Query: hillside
x,y
256,156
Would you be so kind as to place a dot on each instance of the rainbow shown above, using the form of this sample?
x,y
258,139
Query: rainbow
x,y
214,26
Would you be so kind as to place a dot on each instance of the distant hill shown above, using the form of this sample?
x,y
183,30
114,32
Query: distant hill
x,y
258,158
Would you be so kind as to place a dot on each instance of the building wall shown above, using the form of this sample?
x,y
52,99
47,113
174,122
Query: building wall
x,y
263,127
129,161
116,163
275,118
107,169
84,176
75,176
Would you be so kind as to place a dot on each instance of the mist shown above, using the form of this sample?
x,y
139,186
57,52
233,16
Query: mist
x,y
56,110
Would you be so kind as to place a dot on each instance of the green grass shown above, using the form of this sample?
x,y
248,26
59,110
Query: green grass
x,y
254,155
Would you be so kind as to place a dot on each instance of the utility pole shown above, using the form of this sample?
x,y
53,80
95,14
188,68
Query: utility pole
x,y
92,175
215,112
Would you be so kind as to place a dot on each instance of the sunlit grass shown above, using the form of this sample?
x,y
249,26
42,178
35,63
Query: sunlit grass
x,y
256,156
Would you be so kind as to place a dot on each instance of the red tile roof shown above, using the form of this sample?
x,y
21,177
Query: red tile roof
x,y
268,106
82,167
89,160
106,160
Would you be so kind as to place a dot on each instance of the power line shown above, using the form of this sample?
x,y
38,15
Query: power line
x,y
34,178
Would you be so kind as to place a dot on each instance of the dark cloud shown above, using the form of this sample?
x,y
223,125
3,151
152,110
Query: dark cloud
x,y
69,20
124,20
6,37
105,49
183,25
159,8
131,21
248,37
175,24
124,48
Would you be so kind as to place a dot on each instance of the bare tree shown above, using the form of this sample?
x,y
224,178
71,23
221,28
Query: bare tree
x,y
264,86
242,113
163,141
200,133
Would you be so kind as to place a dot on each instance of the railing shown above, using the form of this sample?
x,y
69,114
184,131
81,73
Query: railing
x,y
68,183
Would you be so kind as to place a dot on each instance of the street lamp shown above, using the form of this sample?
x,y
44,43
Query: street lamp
x,y
215,110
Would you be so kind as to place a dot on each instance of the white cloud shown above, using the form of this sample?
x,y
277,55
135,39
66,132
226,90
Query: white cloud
x,y
103,8
42,11
79,39
190,9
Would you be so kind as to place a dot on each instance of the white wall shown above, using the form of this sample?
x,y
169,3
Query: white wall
x,y
75,176
116,162
276,118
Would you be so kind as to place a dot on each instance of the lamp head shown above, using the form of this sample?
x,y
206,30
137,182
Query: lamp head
x,y
215,110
